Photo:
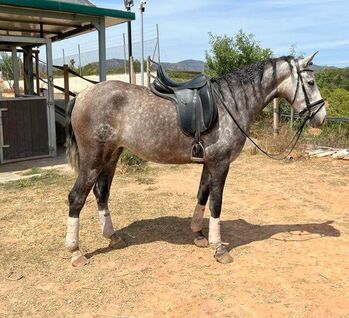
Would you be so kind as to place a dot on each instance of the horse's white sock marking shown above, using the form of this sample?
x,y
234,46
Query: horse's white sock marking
x,y
106,223
197,219
72,237
214,234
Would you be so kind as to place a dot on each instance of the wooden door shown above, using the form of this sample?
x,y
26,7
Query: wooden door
x,y
24,128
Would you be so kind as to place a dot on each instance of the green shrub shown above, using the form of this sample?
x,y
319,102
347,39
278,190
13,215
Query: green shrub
x,y
181,76
338,101
131,162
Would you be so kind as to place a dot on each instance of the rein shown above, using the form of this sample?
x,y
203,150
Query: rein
x,y
295,139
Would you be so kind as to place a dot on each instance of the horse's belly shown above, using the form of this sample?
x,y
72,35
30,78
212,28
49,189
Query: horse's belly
x,y
157,144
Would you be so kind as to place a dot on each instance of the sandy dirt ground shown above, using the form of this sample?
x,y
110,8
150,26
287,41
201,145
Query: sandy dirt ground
x,y
287,225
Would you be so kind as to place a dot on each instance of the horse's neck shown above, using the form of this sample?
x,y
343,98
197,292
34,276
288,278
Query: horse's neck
x,y
258,93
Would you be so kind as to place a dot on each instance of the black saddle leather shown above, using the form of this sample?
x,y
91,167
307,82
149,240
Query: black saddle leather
x,y
197,112
197,82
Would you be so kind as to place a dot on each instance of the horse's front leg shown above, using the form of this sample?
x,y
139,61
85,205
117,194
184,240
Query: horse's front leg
x,y
198,216
218,175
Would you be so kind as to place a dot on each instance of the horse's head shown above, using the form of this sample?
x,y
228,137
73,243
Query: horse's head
x,y
302,93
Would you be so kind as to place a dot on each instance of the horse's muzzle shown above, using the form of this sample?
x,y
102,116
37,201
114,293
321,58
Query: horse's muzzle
x,y
318,120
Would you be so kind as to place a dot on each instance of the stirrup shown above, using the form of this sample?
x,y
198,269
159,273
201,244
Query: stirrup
x,y
198,154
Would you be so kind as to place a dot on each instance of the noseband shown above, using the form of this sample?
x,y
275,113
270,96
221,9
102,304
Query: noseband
x,y
309,106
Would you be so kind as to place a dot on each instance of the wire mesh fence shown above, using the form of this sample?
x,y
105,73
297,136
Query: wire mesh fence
x,y
117,57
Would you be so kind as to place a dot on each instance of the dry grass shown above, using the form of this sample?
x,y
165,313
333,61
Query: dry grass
x,y
285,223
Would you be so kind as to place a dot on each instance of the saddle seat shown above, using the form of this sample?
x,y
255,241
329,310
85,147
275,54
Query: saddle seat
x,y
196,109
197,82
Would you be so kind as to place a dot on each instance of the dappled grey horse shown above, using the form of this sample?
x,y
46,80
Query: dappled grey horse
x,y
114,115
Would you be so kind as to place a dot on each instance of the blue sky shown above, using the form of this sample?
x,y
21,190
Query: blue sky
x,y
184,25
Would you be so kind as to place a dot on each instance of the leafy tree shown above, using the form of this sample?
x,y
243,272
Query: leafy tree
x,y
334,87
332,78
229,53
294,52
338,101
7,69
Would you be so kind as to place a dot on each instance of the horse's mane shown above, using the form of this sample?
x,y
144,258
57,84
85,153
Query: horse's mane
x,y
252,72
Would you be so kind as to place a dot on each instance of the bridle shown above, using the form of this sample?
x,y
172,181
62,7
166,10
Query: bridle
x,y
309,106
309,109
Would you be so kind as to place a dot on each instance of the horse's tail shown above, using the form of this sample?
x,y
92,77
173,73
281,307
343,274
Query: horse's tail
x,y
72,150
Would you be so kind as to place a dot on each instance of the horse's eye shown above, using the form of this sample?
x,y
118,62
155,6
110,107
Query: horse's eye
x,y
311,83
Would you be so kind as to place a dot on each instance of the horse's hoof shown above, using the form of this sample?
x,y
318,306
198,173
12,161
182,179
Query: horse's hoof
x,y
224,258
78,259
116,242
201,242
222,255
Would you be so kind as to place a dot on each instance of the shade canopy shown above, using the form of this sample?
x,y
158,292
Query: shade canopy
x,y
55,20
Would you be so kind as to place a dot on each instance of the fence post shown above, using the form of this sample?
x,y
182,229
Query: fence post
x,y
148,71
66,85
132,71
276,116
16,72
37,71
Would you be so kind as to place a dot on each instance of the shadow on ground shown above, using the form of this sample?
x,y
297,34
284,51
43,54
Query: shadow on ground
x,y
176,230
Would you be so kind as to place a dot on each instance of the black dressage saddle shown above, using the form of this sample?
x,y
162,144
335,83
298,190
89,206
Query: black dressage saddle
x,y
196,109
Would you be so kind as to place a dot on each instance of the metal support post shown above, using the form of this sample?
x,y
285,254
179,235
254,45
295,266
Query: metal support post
x,y
102,50
125,59
80,71
66,85
50,101
142,9
158,41
148,71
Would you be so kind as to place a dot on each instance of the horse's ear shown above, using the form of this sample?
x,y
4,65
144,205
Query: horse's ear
x,y
306,62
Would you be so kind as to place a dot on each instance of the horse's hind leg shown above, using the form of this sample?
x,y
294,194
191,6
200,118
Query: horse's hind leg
x,y
102,190
77,197
198,216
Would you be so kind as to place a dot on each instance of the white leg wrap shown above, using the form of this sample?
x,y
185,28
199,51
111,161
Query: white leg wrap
x,y
72,237
197,219
106,223
214,234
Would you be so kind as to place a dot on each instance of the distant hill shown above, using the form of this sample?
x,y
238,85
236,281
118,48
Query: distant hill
x,y
318,68
186,65
111,63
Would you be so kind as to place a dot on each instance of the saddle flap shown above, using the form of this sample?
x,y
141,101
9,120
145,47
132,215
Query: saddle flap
x,y
186,109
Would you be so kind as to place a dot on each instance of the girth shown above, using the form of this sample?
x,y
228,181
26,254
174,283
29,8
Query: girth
x,y
196,109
